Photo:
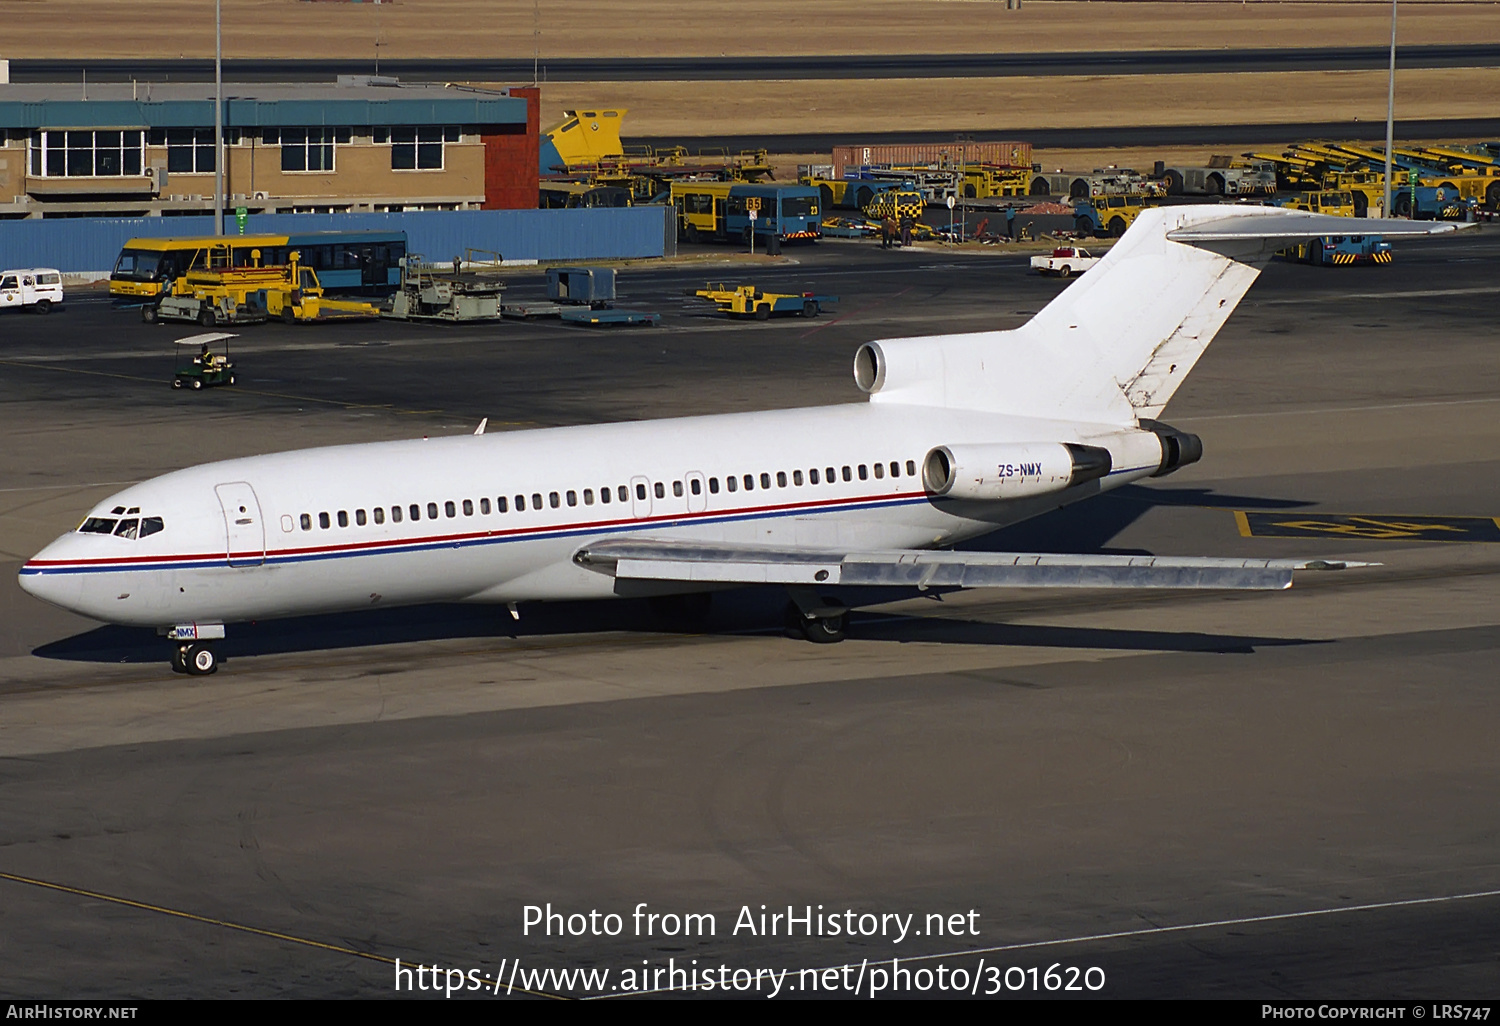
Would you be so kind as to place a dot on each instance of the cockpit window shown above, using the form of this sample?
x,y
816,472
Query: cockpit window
x,y
98,525
150,525
128,528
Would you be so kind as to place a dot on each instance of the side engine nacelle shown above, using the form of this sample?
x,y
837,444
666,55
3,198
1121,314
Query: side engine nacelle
x,y
989,472
1178,448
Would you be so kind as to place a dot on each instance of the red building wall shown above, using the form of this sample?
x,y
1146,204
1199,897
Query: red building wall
x,y
511,156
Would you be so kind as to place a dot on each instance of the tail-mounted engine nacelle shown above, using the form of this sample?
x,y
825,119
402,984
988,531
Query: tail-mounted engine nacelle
x,y
1178,448
1011,471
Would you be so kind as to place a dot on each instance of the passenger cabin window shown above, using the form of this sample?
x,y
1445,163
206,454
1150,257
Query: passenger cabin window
x,y
501,505
359,517
572,497
661,491
379,515
713,485
895,469
848,476
812,476
749,482
468,507
432,511
911,468
307,521
731,483
449,509
415,511
588,496
879,471
831,474
697,486
536,500
553,500
624,494
864,472
677,489
484,507
395,514
797,478
780,479
343,518
604,495
640,491
323,521
765,480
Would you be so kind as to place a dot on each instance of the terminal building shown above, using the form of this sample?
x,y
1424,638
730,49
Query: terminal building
x,y
362,144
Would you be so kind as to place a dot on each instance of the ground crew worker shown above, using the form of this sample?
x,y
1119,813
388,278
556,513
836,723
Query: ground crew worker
x,y
1010,223
907,224
887,231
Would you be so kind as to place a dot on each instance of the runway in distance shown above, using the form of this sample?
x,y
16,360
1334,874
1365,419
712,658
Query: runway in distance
x,y
960,435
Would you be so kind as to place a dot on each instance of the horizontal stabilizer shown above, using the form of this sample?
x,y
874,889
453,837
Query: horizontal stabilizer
x,y
743,564
1287,227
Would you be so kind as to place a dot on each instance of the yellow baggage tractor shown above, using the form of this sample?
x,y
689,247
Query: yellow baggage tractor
x,y
751,301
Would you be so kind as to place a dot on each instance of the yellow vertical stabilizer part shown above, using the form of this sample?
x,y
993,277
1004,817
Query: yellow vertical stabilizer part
x,y
588,136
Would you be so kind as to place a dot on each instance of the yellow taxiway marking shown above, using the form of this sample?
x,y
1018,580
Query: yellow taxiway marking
x,y
226,924
1373,527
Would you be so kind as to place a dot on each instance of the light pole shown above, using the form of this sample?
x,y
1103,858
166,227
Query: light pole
x,y
1390,115
218,121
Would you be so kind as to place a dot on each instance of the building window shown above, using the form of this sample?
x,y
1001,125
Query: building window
x,y
307,149
86,154
420,148
189,150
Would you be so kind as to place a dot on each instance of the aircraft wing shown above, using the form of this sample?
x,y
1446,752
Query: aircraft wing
x,y
707,563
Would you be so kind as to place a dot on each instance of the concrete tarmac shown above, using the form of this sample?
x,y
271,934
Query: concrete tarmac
x,y
1286,795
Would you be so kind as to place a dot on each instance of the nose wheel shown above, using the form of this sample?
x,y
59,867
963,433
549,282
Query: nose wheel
x,y
197,659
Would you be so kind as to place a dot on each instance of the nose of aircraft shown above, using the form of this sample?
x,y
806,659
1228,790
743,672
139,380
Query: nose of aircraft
x,y
41,578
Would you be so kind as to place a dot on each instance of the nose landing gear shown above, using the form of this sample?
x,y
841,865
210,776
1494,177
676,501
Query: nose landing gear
x,y
196,658
191,651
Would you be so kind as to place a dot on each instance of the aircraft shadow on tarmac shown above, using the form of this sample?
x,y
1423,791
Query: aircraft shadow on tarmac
x,y
1087,527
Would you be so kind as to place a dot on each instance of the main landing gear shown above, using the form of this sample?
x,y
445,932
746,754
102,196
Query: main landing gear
x,y
810,616
192,651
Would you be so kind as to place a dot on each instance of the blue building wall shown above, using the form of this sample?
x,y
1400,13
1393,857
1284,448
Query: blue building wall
x,y
93,243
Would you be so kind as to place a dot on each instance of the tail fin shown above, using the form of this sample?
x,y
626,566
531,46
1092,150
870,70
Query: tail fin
x,y
1115,345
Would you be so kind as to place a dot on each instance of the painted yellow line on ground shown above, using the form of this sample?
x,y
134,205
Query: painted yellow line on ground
x,y
1369,527
226,924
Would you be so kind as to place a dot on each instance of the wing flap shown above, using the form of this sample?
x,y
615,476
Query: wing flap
x,y
727,564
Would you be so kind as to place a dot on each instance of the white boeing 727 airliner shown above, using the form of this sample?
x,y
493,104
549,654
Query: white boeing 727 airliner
x,y
962,434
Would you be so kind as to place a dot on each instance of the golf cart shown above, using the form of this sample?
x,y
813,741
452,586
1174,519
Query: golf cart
x,y
199,365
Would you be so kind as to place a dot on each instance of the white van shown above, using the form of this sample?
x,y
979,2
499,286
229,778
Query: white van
x,y
38,287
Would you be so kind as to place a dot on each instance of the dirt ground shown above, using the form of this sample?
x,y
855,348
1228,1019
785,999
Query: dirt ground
x,y
659,28
1005,107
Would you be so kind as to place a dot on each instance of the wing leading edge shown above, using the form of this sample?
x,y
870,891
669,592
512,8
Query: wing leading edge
x,y
743,564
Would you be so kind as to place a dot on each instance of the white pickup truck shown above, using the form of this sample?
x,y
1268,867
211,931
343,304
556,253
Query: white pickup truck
x,y
36,287
1064,262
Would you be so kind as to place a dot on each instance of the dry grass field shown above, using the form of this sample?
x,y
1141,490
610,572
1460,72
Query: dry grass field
x,y
1011,106
665,28
988,106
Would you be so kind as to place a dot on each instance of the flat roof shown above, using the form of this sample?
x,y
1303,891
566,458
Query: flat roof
x,y
191,105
